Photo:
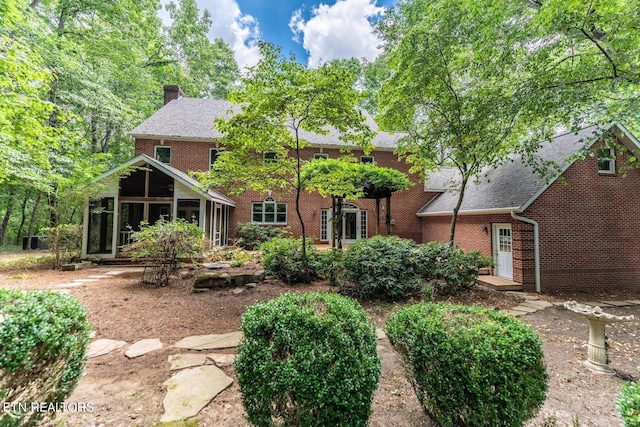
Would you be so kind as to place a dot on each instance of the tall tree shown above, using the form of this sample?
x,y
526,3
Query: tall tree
x,y
210,66
280,100
455,84
585,57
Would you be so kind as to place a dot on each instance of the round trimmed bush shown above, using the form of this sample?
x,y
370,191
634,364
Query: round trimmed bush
x,y
43,344
307,359
470,366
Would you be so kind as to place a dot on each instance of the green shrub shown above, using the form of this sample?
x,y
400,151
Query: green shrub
x,y
282,257
43,343
250,236
448,269
162,244
307,360
382,266
628,404
470,366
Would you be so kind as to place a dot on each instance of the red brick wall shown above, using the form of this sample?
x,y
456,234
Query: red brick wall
x,y
193,156
589,232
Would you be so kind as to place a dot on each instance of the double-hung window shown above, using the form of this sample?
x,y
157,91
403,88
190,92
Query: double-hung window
x,y
606,160
269,212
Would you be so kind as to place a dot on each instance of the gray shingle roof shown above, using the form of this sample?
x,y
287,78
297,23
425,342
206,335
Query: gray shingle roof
x,y
511,186
192,119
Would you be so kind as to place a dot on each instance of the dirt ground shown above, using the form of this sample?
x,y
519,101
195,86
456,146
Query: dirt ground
x,y
124,392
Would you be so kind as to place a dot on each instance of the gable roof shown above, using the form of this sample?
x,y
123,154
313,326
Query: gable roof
x,y
192,119
174,173
513,186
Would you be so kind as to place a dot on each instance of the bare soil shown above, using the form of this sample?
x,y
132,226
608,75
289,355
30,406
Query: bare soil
x,y
124,392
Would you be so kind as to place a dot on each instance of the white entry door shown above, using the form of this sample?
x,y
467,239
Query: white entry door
x,y
502,250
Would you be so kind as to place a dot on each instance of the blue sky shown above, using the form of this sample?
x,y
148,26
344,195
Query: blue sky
x,y
315,31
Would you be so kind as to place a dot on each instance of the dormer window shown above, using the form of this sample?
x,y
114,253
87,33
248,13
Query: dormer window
x,y
162,154
606,160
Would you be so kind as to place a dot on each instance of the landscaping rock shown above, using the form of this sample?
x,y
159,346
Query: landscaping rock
x,y
237,291
191,390
222,359
251,285
242,279
103,346
216,265
143,347
259,275
205,342
212,280
187,360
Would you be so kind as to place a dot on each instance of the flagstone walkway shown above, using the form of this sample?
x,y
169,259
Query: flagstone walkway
x,y
197,378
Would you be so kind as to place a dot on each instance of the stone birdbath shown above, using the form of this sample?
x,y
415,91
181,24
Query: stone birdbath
x,y
597,358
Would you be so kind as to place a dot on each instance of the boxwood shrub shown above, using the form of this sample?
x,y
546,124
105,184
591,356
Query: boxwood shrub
x,y
628,404
43,344
470,366
307,359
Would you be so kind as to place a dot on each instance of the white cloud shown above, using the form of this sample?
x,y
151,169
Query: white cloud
x,y
343,30
240,31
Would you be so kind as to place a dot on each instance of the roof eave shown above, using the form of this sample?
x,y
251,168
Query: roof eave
x,y
493,211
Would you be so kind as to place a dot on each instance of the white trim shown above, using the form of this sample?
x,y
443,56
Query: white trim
x,y
167,169
610,158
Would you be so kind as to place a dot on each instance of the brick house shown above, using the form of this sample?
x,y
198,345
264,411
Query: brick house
x,y
584,216
578,229
180,138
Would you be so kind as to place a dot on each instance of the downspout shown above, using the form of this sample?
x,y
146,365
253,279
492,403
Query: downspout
x,y
536,246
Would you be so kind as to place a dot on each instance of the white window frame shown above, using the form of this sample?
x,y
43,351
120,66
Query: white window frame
x,y
155,153
317,156
367,159
263,212
608,155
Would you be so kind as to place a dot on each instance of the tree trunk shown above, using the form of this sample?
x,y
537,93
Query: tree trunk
x,y
23,210
388,220
454,217
7,215
377,216
32,221
306,274
339,222
333,222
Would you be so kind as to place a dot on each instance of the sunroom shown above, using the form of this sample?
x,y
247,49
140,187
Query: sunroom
x,y
145,189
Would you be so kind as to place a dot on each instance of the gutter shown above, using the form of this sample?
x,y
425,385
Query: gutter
x,y
536,245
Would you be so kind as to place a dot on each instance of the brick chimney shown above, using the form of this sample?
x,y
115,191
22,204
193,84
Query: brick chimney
x,y
172,92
